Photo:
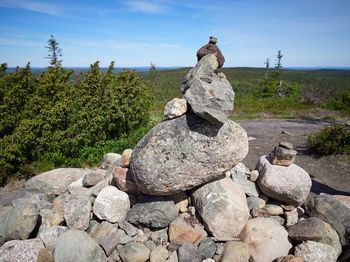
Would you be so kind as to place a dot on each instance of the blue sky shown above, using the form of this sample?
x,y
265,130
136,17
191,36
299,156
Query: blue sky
x,y
169,32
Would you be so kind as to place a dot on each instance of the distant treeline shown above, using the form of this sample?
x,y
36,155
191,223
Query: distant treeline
x,y
292,90
37,70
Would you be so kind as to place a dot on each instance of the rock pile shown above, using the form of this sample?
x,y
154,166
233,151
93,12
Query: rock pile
x,y
181,195
196,147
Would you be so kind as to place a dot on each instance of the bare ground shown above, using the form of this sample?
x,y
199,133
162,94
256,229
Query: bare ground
x,y
330,174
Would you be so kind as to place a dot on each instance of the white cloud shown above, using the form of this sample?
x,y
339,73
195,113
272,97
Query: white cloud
x,y
34,6
145,7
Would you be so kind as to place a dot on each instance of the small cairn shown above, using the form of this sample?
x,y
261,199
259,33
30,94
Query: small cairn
x,y
283,154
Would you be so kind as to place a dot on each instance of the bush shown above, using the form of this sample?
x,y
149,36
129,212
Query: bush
x,y
50,118
331,140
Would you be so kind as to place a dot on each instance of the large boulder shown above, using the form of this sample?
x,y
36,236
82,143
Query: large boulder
x,y
185,152
76,246
17,222
56,181
209,95
316,230
332,211
266,239
223,208
21,250
290,184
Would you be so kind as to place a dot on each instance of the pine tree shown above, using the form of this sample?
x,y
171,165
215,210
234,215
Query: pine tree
x,y
55,52
279,56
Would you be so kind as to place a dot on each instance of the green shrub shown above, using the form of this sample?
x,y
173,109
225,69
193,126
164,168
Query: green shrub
x,y
55,119
331,140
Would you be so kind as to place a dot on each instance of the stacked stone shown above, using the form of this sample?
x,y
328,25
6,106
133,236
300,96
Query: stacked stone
x,y
182,194
281,179
197,143
283,154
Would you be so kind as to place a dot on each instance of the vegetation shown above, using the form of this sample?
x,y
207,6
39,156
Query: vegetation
x,y
301,91
331,140
59,117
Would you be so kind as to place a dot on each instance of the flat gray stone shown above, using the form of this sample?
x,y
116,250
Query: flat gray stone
x,y
155,214
55,182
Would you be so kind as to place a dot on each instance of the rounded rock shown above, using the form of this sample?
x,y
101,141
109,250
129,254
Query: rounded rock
x,y
182,153
223,208
111,204
290,184
77,246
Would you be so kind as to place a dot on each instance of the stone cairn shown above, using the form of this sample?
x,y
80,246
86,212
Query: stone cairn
x,y
183,194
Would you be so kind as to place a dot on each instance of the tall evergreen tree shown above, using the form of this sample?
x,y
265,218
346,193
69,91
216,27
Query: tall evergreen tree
x,y
55,52
279,56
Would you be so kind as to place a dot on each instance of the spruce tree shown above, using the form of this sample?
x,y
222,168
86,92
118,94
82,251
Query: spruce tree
x,y
55,52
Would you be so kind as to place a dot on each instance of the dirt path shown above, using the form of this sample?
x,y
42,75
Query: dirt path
x,y
329,174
